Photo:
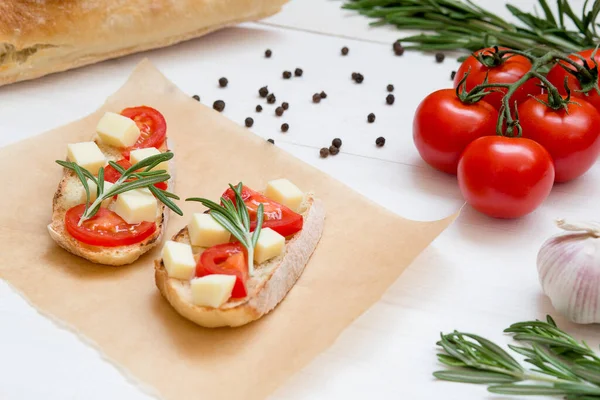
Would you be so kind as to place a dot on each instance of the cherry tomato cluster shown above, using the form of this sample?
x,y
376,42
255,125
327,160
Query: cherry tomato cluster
x,y
509,176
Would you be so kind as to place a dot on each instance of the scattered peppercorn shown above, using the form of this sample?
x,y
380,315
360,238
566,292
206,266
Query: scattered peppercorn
x,y
223,82
258,108
271,98
380,141
323,95
268,53
316,98
249,122
337,142
390,99
196,97
287,74
354,75
324,152
439,57
390,88
398,49
271,141
345,51
359,78
279,111
285,127
263,91
371,118
333,150
219,105
452,75
285,105
298,72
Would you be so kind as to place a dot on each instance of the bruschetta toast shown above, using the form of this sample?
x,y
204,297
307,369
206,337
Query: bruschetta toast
x,y
214,279
115,223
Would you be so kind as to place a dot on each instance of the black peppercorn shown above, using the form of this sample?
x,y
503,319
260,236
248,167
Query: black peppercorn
x,y
371,118
196,97
223,82
258,108
263,91
359,78
452,75
287,74
249,122
219,105
324,152
380,141
271,98
323,95
390,88
316,98
333,150
337,142
344,51
298,72
279,111
271,141
285,127
390,99
439,57
354,75
268,53
285,105
398,49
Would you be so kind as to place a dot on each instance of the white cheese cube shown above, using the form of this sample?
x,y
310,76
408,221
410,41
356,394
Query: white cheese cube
x,y
87,155
138,155
178,260
205,231
212,290
270,244
94,191
117,130
136,206
285,192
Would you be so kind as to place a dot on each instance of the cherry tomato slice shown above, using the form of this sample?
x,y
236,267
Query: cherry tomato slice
x,y
106,228
112,175
276,216
152,124
226,259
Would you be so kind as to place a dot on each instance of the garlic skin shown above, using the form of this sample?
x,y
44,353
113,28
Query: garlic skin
x,y
568,265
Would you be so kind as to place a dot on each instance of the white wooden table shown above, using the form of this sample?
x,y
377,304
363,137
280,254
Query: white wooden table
x,y
478,276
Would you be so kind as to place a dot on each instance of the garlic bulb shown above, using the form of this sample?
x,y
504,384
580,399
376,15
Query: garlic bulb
x,y
569,270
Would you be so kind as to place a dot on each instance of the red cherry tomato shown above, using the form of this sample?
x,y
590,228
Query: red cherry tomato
x,y
505,177
152,124
510,70
226,259
557,75
572,137
112,175
276,216
105,228
443,126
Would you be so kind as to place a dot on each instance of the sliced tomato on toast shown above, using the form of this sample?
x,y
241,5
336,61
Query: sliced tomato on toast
x,y
152,125
226,259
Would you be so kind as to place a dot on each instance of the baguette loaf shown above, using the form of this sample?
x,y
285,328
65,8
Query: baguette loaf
x,y
266,289
42,37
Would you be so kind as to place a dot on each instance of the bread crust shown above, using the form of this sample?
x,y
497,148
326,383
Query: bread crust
x,y
112,256
265,291
42,37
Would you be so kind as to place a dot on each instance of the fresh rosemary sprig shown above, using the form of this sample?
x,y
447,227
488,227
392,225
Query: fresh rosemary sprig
x,y
463,25
131,178
235,218
563,365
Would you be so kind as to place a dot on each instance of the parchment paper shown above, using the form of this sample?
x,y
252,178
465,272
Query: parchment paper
x,y
364,248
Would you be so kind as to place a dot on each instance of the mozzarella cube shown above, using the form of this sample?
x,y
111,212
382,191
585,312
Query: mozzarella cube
x,y
205,231
136,206
117,130
138,155
285,192
269,245
94,191
212,290
87,155
178,260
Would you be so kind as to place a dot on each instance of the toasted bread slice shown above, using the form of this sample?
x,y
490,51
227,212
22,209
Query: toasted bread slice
x,y
266,289
69,194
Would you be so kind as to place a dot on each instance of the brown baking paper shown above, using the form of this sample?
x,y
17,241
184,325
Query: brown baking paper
x,y
364,248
